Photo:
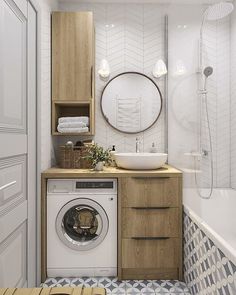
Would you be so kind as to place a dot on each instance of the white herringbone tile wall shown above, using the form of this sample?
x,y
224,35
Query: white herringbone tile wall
x,y
216,53
131,38
46,6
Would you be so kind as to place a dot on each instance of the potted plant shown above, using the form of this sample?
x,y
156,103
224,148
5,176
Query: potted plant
x,y
98,156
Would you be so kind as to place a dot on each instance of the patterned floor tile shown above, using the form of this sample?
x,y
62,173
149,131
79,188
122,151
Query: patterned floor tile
x,y
171,286
139,286
77,282
129,287
90,282
112,285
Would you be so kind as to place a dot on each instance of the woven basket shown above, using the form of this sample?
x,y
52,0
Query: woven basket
x,y
74,158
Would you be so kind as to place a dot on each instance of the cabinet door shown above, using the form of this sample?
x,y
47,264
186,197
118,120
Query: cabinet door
x,y
150,192
72,56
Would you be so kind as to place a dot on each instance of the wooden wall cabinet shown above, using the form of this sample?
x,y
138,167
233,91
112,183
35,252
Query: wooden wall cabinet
x,y
73,63
150,228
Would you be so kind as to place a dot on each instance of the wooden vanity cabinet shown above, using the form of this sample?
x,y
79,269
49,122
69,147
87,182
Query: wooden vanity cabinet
x,y
150,228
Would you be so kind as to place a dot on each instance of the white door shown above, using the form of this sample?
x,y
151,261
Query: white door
x,y
17,143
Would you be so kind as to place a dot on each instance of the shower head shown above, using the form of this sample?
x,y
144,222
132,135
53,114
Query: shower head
x,y
208,71
219,11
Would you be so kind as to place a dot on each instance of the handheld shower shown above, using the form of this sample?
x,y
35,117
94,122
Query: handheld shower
x,y
208,71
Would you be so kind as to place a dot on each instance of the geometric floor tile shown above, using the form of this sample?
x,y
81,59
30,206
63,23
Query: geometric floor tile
x,y
128,287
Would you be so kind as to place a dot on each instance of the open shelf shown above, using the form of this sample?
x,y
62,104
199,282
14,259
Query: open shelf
x,y
72,109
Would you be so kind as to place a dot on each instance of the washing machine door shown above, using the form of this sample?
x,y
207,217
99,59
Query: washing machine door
x,y
82,224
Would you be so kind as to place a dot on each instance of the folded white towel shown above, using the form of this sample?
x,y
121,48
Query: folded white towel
x,y
72,125
74,119
72,130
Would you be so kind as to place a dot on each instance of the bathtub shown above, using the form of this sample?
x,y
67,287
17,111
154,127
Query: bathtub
x,y
210,242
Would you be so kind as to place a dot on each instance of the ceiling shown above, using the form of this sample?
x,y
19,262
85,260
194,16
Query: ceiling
x,y
147,1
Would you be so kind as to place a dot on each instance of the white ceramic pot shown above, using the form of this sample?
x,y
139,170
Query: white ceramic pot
x,y
99,166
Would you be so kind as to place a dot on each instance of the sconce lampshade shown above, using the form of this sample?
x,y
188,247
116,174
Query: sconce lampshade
x,y
159,69
104,69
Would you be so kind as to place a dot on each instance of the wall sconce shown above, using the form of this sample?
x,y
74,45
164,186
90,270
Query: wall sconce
x,y
159,69
180,68
104,69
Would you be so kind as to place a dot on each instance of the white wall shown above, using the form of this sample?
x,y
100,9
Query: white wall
x,y
184,25
233,100
47,156
216,39
184,101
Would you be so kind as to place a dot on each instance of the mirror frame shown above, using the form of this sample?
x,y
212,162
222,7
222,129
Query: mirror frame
x,y
137,73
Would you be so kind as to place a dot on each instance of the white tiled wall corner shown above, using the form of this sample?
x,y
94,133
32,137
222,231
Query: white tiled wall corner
x,y
233,100
216,53
131,38
47,156
184,102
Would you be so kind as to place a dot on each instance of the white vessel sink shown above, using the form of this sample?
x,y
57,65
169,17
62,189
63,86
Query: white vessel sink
x,y
140,161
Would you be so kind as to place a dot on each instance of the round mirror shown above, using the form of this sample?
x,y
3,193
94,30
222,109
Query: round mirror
x,y
131,102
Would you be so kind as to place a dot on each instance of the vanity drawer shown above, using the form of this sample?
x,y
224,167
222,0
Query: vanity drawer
x,y
148,253
138,222
150,192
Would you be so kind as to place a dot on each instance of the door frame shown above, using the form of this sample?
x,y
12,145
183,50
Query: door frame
x,y
34,260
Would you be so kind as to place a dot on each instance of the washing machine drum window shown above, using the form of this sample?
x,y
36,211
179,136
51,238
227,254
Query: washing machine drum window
x,y
82,224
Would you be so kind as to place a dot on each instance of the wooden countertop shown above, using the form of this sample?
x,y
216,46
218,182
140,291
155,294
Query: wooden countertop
x,y
166,171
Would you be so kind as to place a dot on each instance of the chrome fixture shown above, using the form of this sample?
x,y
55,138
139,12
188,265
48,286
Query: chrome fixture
x,y
137,145
212,13
218,11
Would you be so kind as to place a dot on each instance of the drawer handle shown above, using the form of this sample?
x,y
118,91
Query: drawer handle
x,y
150,238
150,208
7,185
150,177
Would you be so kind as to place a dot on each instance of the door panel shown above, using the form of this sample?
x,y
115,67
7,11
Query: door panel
x,y
13,69
11,220
12,181
13,259
8,145
18,94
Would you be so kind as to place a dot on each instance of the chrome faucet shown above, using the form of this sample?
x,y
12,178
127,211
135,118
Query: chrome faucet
x,y
137,145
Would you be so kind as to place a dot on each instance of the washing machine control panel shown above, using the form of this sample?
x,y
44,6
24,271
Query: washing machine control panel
x,y
85,186
94,184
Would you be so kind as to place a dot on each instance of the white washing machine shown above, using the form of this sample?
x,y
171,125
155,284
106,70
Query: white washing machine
x,y
82,227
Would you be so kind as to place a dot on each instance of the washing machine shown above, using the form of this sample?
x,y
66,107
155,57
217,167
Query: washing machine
x,y
81,227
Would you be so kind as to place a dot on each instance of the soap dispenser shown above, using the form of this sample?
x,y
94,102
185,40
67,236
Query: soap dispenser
x,y
153,148
112,152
